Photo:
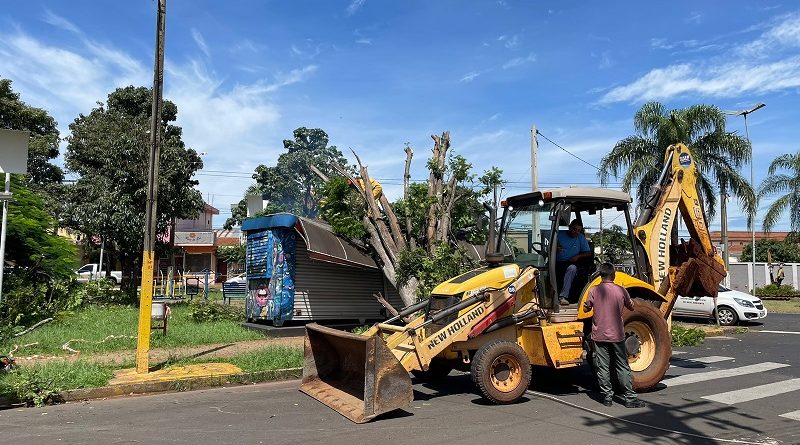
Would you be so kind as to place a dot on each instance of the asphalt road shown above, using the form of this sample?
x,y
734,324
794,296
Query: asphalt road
x,y
736,389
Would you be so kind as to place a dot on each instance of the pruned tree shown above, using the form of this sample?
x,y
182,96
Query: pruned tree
x,y
428,213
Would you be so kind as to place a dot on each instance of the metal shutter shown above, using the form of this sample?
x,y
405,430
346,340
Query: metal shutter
x,y
327,291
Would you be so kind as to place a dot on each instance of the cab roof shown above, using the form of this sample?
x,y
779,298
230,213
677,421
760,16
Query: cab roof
x,y
598,197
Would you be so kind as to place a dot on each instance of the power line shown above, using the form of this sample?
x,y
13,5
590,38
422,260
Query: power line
x,y
568,152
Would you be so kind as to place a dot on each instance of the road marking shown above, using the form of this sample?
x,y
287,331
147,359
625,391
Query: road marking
x,y
780,332
756,392
794,415
722,373
678,352
711,359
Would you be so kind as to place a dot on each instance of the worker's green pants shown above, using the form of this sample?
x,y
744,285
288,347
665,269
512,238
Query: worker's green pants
x,y
606,355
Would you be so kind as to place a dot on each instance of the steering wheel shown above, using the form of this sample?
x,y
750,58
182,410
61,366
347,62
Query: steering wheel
x,y
541,250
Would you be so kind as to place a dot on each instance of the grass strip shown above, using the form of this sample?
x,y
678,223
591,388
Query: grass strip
x,y
41,383
91,328
791,306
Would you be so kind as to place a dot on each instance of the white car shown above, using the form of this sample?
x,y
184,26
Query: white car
x,y
241,278
734,306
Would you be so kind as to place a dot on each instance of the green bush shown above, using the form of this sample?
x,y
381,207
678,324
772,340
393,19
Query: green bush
x,y
100,292
773,290
444,263
203,311
687,336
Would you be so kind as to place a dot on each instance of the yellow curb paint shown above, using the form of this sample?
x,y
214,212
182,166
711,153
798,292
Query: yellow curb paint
x,y
173,373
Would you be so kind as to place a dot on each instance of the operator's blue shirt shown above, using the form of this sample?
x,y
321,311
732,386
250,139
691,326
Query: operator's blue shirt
x,y
568,246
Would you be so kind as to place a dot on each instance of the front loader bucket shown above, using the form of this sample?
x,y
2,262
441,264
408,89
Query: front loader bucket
x,y
356,375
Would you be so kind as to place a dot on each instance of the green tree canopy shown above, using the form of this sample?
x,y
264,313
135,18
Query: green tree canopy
x,y
290,185
37,262
782,251
614,243
109,150
787,186
719,154
43,146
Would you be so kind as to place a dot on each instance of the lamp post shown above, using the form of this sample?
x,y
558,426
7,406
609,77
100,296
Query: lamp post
x,y
745,113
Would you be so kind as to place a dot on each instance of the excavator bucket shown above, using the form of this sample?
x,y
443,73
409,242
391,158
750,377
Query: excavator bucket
x,y
356,375
700,273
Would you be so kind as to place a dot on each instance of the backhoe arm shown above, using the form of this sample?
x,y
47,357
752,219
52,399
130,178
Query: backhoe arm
x,y
690,269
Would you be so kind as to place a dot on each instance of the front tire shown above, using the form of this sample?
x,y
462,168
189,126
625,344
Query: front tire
x,y
727,316
648,343
501,371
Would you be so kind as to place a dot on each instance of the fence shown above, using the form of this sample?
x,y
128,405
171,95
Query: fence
x,y
739,275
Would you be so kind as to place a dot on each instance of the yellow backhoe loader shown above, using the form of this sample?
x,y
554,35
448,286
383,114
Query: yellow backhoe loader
x,y
499,320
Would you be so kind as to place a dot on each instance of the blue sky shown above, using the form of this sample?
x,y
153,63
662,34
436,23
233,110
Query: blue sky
x,y
377,74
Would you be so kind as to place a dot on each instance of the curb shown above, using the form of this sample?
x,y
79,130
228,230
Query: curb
x,y
245,378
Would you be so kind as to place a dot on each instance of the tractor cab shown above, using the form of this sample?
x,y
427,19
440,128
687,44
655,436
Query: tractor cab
x,y
530,226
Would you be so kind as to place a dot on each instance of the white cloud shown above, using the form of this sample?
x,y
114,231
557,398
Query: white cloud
x,y
694,17
724,81
767,64
785,34
364,41
59,22
510,42
201,42
354,6
234,124
469,77
518,61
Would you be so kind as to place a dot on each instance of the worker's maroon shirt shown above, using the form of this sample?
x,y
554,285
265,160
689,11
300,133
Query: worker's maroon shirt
x,y
608,299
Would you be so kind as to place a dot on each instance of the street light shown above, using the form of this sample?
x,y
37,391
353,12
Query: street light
x,y
745,113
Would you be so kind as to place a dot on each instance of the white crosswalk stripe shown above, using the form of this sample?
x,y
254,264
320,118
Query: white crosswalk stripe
x,y
755,392
710,359
794,415
722,373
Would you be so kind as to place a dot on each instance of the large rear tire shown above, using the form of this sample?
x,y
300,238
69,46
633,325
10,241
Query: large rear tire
x,y
648,343
501,371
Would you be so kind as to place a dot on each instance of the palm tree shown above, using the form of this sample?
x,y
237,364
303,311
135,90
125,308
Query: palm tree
x,y
718,154
782,183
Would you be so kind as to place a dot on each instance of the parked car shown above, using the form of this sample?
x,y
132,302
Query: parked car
x,y
240,278
733,307
91,271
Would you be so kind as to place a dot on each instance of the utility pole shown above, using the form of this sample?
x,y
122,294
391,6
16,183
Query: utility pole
x,y
724,232
537,236
151,213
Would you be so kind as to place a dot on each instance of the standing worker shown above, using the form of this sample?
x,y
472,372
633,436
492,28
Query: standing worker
x,y
608,299
779,278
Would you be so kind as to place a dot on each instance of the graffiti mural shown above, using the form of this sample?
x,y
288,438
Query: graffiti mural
x,y
270,268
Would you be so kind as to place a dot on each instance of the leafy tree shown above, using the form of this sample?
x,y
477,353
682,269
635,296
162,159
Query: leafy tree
x,y
43,177
109,149
38,263
341,207
446,208
43,146
781,251
239,212
719,154
615,244
232,254
291,186
789,185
